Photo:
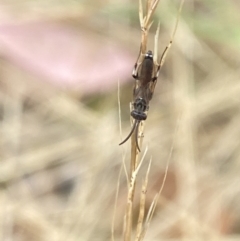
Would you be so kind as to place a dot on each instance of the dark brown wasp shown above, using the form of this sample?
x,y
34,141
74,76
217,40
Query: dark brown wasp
x,y
146,72
146,75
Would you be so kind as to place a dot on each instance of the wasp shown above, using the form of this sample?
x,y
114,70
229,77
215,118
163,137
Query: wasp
x,y
146,72
146,75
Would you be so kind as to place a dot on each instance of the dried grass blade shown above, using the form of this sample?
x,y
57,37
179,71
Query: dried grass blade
x,y
150,12
142,204
148,6
155,56
128,223
141,19
149,217
131,190
173,35
178,16
148,25
156,198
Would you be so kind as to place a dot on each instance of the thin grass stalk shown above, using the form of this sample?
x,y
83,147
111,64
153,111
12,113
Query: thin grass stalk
x,y
173,34
146,23
134,151
142,204
129,211
135,165
148,218
156,198
151,7
155,57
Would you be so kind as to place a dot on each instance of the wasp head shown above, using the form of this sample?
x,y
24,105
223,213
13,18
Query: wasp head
x,y
149,55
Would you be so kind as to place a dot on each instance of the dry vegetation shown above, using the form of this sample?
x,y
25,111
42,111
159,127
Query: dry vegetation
x,y
59,153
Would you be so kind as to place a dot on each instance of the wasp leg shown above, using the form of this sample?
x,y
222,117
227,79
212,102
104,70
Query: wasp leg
x,y
162,59
135,71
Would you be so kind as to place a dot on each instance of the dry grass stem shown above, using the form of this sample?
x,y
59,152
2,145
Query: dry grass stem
x,y
155,56
149,217
164,55
129,210
156,198
151,7
145,22
134,152
142,204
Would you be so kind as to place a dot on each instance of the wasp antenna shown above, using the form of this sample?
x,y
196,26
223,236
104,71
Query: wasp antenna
x,y
136,136
129,135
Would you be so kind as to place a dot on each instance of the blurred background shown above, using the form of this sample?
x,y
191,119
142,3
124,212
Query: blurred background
x,y
61,63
